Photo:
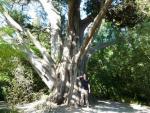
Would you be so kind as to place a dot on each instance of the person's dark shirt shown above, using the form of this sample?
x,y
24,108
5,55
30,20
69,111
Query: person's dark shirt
x,y
84,84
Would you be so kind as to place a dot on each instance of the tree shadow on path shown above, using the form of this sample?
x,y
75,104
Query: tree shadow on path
x,y
113,107
106,106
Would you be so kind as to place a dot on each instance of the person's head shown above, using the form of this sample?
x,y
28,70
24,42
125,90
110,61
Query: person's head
x,y
84,76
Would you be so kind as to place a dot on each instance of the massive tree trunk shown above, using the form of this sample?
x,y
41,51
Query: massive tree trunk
x,y
60,73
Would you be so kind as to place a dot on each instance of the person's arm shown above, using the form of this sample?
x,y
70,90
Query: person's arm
x,y
79,77
89,88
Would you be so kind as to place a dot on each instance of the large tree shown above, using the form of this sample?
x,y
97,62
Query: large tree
x,y
59,69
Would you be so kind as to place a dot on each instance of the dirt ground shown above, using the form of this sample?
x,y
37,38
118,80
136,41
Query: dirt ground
x,y
100,106
107,107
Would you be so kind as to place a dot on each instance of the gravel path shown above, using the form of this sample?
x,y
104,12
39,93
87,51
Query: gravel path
x,y
98,107
107,107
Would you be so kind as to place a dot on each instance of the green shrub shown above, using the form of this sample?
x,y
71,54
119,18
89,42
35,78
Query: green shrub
x,y
21,89
121,71
19,83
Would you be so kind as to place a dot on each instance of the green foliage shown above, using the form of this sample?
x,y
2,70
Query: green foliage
x,y
8,51
18,16
43,38
21,85
92,7
17,86
121,72
20,88
122,13
7,29
125,14
144,6
7,57
105,30
7,54
1,5
8,111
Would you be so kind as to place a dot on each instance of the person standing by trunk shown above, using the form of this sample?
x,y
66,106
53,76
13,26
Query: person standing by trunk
x,y
85,90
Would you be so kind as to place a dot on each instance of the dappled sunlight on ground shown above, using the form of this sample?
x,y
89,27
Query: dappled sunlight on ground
x,y
100,106
108,107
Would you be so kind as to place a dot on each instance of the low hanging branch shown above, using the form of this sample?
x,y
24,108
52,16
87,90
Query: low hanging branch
x,y
38,63
43,66
15,25
101,46
11,22
42,49
95,25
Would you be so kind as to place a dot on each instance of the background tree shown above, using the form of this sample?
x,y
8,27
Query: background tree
x,y
121,71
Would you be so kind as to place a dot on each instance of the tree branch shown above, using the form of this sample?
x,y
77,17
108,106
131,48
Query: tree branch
x,y
52,14
86,21
40,65
99,46
55,21
42,49
71,15
15,25
74,16
90,18
12,22
95,25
